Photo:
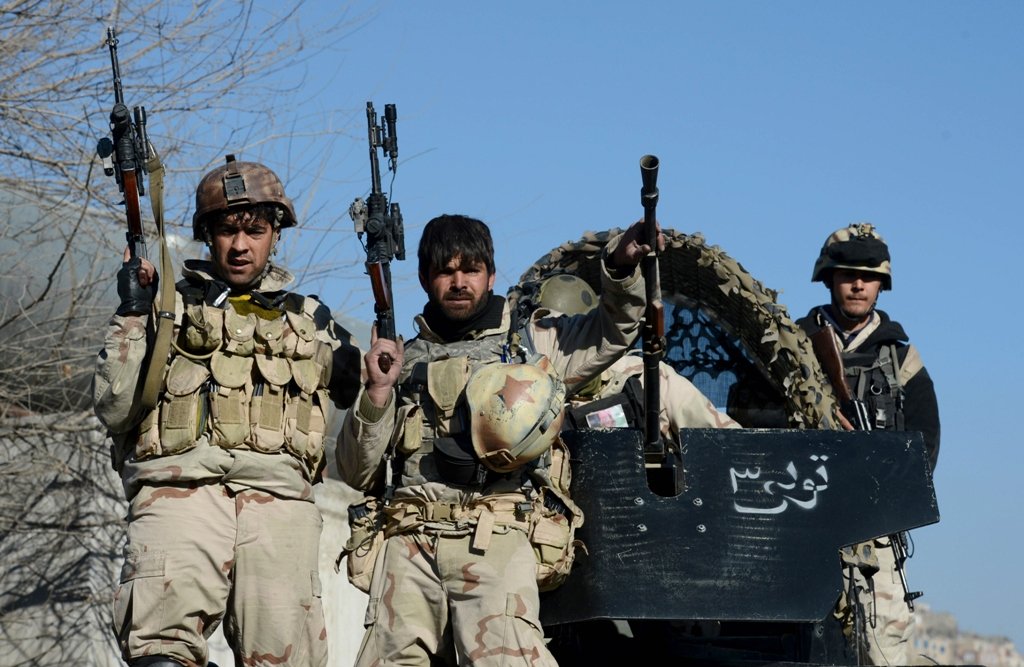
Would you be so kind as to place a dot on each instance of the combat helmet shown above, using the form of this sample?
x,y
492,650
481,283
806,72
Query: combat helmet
x,y
567,294
859,247
516,412
236,184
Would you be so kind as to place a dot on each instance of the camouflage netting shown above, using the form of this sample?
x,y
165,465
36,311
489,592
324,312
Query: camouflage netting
x,y
725,331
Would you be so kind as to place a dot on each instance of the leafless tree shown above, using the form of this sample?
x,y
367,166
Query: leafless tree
x,y
216,76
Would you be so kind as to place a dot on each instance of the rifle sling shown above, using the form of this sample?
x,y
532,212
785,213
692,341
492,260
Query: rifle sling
x,y
164,305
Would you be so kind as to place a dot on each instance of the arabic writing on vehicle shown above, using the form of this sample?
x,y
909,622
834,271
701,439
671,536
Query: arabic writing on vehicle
x,y
776,495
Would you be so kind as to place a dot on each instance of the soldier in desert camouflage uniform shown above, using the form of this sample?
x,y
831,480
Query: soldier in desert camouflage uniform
x,y
221,523
885,372
463,425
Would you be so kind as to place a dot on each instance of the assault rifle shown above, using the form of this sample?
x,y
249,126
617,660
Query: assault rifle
x,y
124,156
826,348
382,224
128,156
653,331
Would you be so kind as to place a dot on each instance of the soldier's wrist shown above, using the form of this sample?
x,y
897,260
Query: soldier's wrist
x,y
373,405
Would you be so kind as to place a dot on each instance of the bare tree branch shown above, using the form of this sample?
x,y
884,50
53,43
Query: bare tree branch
x,y
215,76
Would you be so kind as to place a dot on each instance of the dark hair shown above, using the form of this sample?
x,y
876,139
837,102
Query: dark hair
x,y
263,212
449,236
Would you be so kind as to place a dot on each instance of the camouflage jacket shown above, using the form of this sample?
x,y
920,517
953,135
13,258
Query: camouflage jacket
x,y
578,348
240,464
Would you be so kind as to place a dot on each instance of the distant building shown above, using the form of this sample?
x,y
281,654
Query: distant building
x,y
937,638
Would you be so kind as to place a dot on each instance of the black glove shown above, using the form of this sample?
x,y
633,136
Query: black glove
x,y
135,299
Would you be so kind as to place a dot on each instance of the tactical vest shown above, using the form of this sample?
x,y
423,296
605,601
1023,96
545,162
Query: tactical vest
x,y
874,379
433,441
245,376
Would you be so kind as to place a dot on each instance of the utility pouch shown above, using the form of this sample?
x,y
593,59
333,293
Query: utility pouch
x,y
408,437
553,523
230,400
364,543
204,329
179,407
302,336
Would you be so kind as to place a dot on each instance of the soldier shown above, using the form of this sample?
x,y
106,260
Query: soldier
x,y
219,476
885,372
464,424
615,397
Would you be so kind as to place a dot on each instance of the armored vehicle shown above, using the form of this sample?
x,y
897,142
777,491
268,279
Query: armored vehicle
x,y
724,548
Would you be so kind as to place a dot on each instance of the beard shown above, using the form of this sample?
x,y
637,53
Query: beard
x,y
462,306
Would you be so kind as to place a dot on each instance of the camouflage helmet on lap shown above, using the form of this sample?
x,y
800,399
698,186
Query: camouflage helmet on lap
x,y
516,412
237,184
858,247
567,294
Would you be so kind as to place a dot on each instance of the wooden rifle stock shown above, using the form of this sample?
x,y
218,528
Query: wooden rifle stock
x,y
380,284
826,348
133,214
125,154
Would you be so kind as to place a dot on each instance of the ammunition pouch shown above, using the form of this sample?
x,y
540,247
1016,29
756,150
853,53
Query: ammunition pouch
x,y
244,382
364,543
553,523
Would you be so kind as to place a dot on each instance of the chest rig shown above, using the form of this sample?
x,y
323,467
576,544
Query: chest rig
x,y
434,442
874,379
246,372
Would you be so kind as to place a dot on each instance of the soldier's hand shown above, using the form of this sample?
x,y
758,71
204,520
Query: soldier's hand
x,y
136,285
147,272
633,247
383,365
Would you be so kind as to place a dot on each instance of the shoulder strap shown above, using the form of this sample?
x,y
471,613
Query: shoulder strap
x,y
888,362
164,305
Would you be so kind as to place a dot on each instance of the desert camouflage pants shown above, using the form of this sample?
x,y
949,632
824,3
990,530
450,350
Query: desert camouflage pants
x,y
889,641
201,554
431,595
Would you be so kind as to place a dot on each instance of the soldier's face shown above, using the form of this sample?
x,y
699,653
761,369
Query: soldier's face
x,y
460,288
855,293
240,247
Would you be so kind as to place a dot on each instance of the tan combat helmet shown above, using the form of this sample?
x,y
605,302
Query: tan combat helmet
x,y
237,184
516,412
567,294
858,247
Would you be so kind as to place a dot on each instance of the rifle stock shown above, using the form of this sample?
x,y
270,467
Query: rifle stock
x,y
826,348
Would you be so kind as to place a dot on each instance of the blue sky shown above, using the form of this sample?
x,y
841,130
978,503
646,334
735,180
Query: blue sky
x,y
775,123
